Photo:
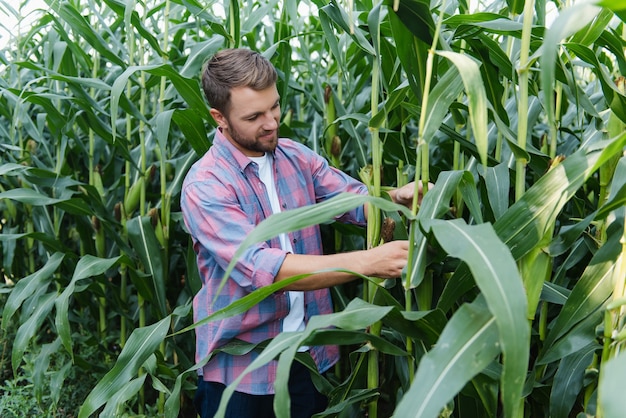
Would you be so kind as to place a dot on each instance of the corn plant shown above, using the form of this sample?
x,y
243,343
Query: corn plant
x,y
512,303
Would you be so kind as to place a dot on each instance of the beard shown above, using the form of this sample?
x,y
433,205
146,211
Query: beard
x,y
261,142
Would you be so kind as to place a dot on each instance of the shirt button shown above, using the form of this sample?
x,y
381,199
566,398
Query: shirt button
x,y
284,205
294,240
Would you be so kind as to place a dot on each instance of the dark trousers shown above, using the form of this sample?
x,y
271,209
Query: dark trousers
x,y
305,399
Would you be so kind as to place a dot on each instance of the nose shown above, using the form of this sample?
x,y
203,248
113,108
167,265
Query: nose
x,y
270,122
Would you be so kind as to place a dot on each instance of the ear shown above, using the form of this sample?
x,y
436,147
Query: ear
x,y
219,118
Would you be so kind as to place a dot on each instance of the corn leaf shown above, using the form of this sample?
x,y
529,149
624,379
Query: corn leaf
x,y
611,386
140,346
496,274
144,241
87,266
476,97
467,345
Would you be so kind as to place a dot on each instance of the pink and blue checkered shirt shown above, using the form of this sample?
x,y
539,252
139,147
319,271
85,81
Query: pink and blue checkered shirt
x,y
222,200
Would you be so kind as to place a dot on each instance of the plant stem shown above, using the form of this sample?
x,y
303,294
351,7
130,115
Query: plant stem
x,y
373,232
522,122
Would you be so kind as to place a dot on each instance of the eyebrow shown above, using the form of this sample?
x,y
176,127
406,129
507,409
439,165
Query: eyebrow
x,y
253,114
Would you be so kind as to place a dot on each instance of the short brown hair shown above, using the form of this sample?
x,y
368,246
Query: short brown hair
x,y
231,68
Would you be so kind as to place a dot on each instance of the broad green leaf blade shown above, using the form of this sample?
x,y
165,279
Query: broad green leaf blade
x,y
592,289
87,266
497,180
617,195
593,30
163,127
353,337
568,380
83,29
244,304
515,6
144,241
114,406
189,89
577,338
525,223
192,125
411,53
394,100
357,315
141,344
340,18
496,274
41,364
29,196
31,326
435,205
476,97
443,94
467,345
568,22
611,386
417,17
27,286
612,94
360,396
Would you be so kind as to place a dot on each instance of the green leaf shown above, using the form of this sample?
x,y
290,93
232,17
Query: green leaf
x,y
476,97
193,128
467,345
87,266
568,380
611,386
617,195
189,89
42,305
40,367
144,241
29,196
443,94
496,274
357,315
592,289
244,304
568,21
340,18
593,30
525,223
417,18
114,406
613,96
435,205
141,344
515,6
86,31
411,53
28,285
497,180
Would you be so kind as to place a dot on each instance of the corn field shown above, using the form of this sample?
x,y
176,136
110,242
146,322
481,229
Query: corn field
x,y
513,302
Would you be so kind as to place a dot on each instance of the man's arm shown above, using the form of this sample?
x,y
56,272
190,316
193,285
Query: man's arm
x,y
385,261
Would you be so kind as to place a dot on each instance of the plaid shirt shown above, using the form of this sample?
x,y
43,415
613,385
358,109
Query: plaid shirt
x,y
222,200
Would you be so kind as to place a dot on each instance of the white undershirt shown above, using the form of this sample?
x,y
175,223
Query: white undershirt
x,y
294,321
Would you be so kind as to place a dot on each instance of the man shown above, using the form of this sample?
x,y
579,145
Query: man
x,y
248,174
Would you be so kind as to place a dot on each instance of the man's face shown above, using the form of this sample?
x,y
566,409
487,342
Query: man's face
x,y
253,120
